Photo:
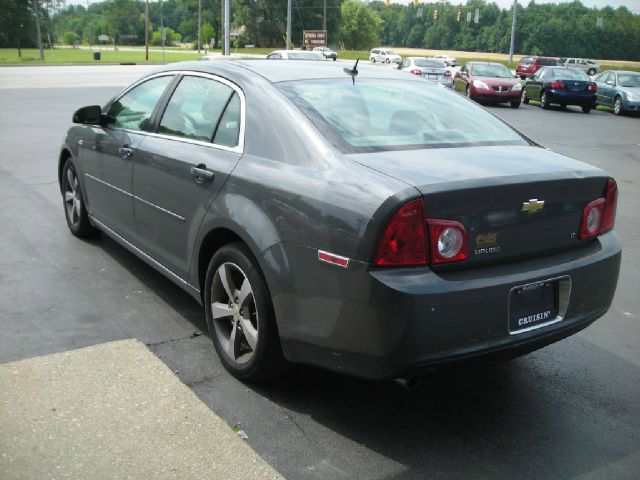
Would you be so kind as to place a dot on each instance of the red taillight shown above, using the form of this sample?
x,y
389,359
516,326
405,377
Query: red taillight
x,y
599,216
447,73
415,71
403,242
609,214
592,87
557,84
448,240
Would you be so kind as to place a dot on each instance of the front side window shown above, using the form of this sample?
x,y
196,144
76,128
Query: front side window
x,y
195,108
382,114
629,79
133,110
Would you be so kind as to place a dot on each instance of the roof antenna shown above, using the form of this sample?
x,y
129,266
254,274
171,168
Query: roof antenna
x,y
352,71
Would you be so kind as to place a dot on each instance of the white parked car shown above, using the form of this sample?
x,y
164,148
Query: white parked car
x,y
448,60
590,67
295,55
327,52
429,68
384,55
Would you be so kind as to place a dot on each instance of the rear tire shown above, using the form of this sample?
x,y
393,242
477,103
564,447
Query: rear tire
x,y
387,61
372,60
75,211
240,315
515,104
586,109
524,98
563,106
544,101
591,72
468,93
617,105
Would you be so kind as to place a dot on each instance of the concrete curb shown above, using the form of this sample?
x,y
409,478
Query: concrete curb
x,y
113,411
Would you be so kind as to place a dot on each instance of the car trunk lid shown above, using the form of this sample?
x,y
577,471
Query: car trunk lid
x,y
514,202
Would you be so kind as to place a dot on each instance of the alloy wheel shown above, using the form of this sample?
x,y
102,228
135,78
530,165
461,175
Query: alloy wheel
x,y
617,106
524,98
234,313
72,199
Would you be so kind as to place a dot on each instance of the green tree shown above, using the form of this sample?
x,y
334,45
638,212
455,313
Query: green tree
x,y
360,26
206,33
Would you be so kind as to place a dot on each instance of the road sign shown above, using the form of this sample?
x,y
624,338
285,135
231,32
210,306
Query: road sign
x,y
314,38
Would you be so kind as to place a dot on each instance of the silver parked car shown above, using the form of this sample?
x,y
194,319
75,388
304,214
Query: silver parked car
x,y
448,60
590,67
295,55
384,55
427,68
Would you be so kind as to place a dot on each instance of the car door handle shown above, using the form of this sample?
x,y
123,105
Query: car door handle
x,y
201,174
125,152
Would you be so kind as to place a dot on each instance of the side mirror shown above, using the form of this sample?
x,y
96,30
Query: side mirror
x,y
88,115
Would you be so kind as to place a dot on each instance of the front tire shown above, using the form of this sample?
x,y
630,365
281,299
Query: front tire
x,y
544,101
524,98
468,93
240,315
515,104
75,211
617,105
372,60
387,61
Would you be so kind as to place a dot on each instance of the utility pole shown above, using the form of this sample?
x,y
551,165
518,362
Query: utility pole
x,y
199,20
324,16
20,41
288,24
162,32
146,31
89,21
513,31
38,34
227,26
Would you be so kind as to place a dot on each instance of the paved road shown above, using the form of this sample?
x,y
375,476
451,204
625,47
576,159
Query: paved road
x,y
568,411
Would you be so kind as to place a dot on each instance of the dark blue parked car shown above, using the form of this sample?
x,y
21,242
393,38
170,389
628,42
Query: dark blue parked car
x,y
561,86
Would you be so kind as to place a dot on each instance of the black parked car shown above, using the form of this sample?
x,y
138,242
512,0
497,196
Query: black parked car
x,y
562,86
376,224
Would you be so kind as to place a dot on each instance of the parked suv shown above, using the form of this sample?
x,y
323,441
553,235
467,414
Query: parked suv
x,y
385,55
327,52
530,65
590,67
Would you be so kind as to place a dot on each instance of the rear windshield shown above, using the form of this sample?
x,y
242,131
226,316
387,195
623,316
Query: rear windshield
x,y
499,71
305,56
392,114
427,62
525,61
569,74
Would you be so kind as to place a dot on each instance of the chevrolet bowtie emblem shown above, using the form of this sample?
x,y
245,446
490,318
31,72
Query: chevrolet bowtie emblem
x,y
533,205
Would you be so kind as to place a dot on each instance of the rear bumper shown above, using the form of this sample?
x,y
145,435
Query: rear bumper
x,y
572,98
385,323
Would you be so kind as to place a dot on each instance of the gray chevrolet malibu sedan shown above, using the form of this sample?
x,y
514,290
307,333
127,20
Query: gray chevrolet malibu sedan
x,y
356,219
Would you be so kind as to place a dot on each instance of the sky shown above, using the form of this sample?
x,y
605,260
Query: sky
x,y
632,5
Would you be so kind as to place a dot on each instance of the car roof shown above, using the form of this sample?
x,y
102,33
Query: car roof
x,y
284,70
484,63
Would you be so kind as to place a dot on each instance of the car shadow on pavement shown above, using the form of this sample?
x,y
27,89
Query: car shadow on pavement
x,y
552,414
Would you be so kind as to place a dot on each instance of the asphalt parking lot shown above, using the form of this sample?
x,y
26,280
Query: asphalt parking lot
x,y
568,411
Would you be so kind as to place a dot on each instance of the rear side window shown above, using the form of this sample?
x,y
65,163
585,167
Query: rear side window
x,y
392,114
547,61
228,130
133,110
195,108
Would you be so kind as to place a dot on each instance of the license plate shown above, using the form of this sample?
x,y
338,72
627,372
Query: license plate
x,y
533,305
432,76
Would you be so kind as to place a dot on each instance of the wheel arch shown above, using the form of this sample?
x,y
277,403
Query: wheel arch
x,y
65,154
